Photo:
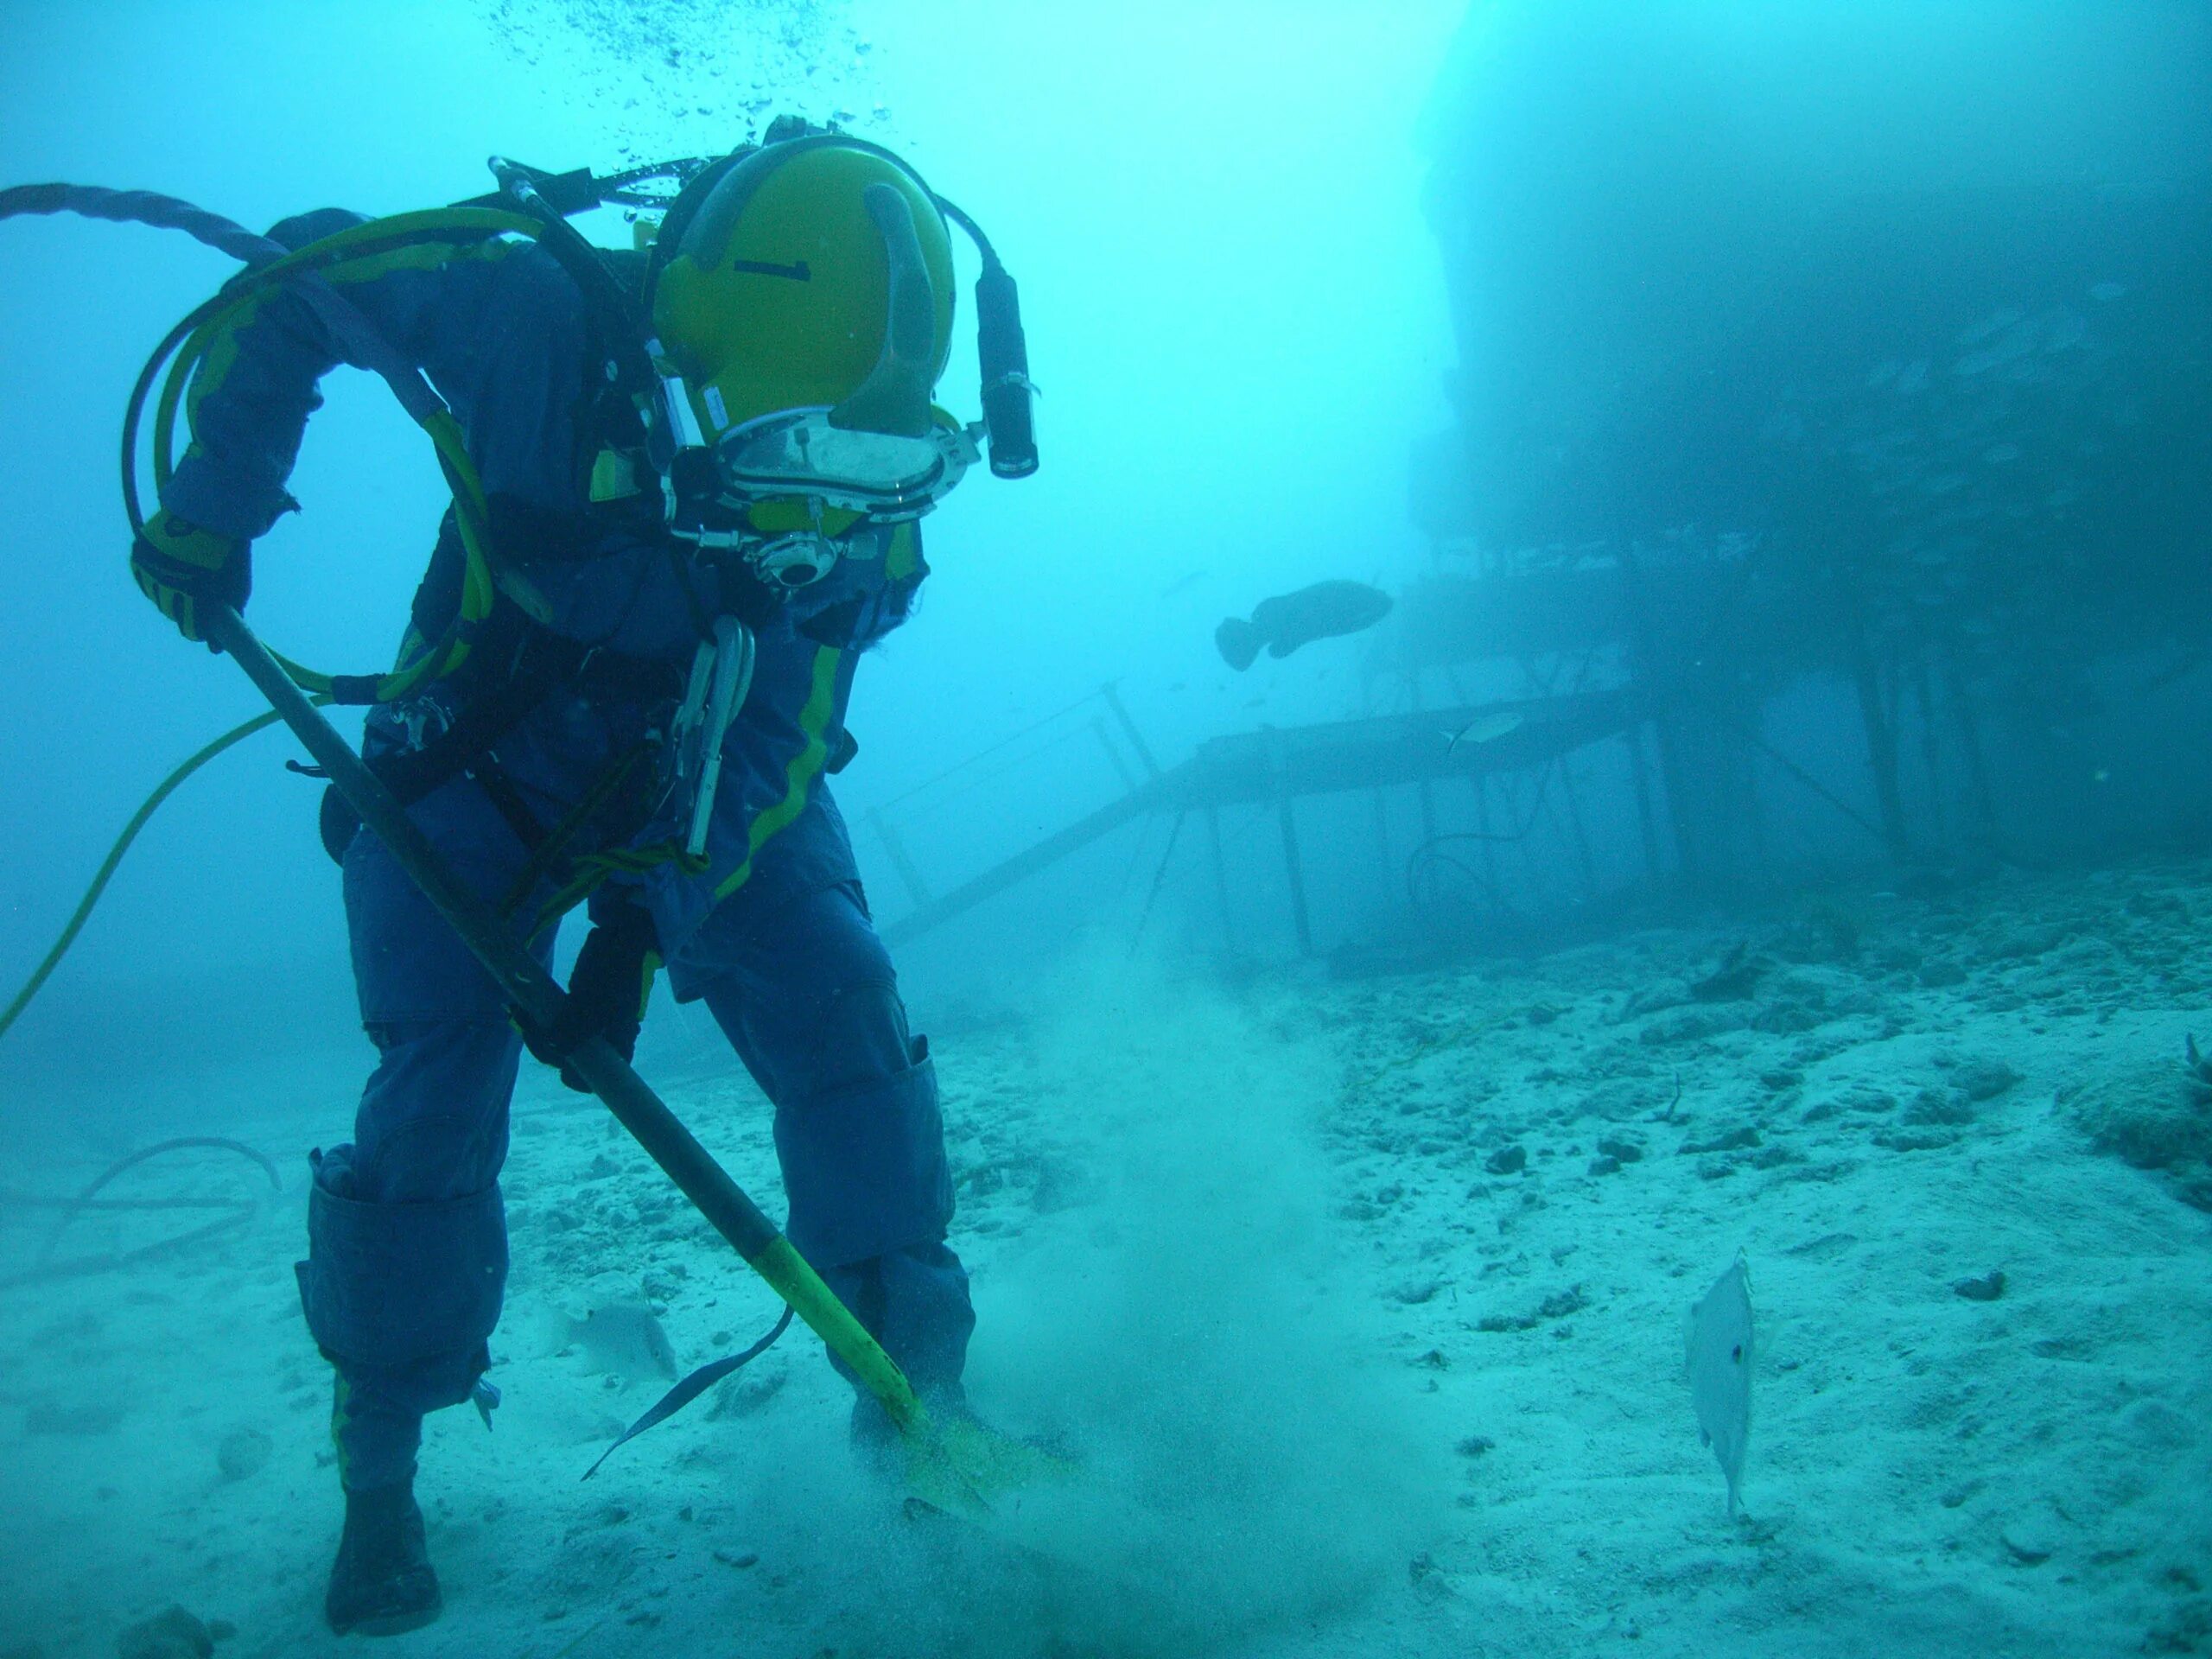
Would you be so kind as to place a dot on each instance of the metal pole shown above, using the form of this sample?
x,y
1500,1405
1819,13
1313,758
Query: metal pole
x,y
1427,825
540,1000
1019,868
1129,730
1640,781
1293,866
1489,847
1297,873
1647,667
1220,876
1583,864
1881,732
1931,758
1969,735
896,850
1114,756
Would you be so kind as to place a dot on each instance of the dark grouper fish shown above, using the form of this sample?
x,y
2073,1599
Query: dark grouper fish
x,y
1288,620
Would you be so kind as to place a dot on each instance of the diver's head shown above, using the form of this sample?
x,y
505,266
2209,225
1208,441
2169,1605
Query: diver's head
x,y
804,293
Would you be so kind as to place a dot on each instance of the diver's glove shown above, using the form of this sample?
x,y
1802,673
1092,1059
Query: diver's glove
x,y
180,567
607,992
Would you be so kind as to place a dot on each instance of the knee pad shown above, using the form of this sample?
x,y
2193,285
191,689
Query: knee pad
x,y
864,1166
860,1034
391,1285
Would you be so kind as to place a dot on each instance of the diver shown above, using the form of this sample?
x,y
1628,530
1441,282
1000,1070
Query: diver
x,y
802,290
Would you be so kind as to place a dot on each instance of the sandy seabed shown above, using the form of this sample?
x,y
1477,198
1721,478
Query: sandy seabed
x,y
1361,1304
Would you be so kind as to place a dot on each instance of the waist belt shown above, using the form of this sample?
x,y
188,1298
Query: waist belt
x,y
542,665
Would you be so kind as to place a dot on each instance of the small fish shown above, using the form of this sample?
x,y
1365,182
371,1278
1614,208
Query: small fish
x,y
1996,323
1288,620
1484,728
623,1338
1717,1355
1182,582
2063,330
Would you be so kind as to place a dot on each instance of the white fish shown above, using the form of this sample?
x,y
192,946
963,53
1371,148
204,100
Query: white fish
x,y
623,1338
1485,728
1718,1354
2063,329
1996,323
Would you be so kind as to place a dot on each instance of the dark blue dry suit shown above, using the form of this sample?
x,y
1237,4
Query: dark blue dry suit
x,y
407,1240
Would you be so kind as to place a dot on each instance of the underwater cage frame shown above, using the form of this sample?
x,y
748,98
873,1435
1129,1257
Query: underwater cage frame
x,y
1940,458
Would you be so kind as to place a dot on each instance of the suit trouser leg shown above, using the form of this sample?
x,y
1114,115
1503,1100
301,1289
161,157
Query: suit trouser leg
x,y
807,993
407,1253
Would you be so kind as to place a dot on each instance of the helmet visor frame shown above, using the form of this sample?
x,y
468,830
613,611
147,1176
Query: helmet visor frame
x,y
800,454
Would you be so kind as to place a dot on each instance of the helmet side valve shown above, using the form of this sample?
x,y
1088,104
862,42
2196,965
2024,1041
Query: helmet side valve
x,y
684,425
688,479
516,182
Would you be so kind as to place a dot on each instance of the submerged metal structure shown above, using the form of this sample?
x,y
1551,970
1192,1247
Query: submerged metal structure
x,y
1736,420
1276,768
1830,478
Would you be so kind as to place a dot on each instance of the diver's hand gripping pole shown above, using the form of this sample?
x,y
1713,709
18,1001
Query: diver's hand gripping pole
x,y
534,991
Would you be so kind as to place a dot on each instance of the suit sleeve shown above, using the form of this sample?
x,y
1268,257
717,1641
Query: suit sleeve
x,y
500,331
256,386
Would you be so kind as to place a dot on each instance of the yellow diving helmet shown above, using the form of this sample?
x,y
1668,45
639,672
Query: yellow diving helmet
x,y
803,297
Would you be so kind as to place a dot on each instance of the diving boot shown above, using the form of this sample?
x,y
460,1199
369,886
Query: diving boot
x,y
382,1582
877,1447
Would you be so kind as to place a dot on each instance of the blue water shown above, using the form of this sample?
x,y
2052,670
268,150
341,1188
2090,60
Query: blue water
x,y
1811,402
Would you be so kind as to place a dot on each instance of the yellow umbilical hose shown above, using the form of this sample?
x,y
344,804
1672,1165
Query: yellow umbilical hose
x,y
163,790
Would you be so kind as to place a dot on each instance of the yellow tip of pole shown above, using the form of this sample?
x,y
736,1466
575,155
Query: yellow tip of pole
x,y
953,1463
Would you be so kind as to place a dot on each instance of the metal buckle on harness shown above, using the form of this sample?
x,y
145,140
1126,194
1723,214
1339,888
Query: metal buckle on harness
x,y
721,674
424,720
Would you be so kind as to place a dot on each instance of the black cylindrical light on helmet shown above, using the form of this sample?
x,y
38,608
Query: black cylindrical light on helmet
x,y
1004,355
